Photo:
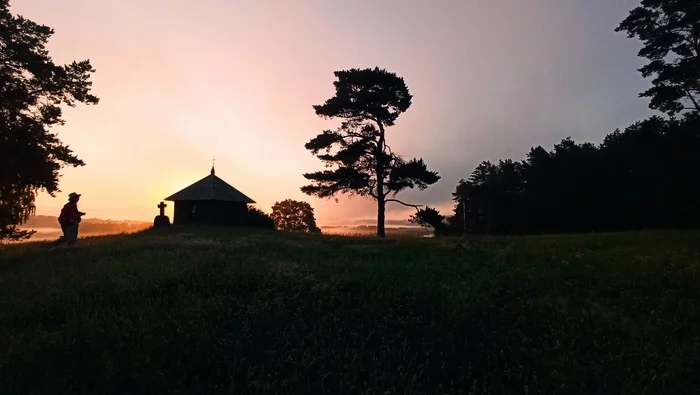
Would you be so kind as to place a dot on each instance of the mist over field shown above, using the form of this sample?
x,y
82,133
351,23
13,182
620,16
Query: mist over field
x,y
47,228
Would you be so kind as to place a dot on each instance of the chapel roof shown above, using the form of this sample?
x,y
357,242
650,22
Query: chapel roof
x,y
211,187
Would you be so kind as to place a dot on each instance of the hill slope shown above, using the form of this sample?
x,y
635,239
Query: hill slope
x,y
212,311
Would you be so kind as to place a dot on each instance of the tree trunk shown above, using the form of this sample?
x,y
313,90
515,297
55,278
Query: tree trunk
x,y
381,203
381,206
464,217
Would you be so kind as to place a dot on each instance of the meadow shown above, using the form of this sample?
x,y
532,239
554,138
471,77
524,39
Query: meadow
x,y
211,311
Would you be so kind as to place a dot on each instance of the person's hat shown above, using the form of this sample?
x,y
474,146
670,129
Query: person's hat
x,y
73,195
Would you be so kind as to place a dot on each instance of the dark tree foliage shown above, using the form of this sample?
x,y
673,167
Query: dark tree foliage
x,y
294,216
32,91
429,217
256,218
643,177
357,156
670,31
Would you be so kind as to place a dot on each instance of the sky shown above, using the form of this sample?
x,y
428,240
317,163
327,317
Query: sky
x,y
182,82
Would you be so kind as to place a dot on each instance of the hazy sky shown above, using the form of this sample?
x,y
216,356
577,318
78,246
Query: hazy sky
x,y
183,81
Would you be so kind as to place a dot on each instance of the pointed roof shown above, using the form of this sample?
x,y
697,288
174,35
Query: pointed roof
x,y
211,187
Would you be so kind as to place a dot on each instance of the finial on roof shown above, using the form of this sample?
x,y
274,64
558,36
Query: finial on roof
x,y
213,161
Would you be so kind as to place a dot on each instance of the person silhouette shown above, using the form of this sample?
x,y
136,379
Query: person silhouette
x,y
70,220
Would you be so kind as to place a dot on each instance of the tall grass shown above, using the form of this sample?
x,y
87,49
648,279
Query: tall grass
x,y
217,311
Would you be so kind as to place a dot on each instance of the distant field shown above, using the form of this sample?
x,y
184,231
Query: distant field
x,y
47,227
198,310
46,234
372,230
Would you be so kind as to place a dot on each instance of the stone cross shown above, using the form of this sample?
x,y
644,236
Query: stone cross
x,y
162,207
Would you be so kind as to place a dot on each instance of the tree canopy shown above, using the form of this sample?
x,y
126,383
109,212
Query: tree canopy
x,y
670,32
429,217
294,216
643,177
358,158
32,90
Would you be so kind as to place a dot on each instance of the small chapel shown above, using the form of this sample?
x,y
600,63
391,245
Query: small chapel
x,y
210,201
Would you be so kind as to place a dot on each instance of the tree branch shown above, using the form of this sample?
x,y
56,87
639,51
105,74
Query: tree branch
x,y
372,185
692,99
353,135
386,146
37,91
416,206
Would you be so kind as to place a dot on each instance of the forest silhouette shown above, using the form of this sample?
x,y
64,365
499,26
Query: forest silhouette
x,y
645,177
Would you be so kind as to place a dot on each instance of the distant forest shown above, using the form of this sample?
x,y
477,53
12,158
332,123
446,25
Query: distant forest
x,y
645,177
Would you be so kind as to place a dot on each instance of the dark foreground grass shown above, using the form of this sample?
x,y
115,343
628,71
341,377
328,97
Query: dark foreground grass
x,y
204,311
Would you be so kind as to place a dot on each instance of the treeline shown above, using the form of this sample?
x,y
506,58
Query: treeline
x,y
645,177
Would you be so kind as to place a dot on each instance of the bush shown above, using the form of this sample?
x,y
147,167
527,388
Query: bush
x,y
257,218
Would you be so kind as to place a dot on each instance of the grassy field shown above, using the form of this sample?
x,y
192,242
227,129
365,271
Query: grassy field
x,y
206,311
